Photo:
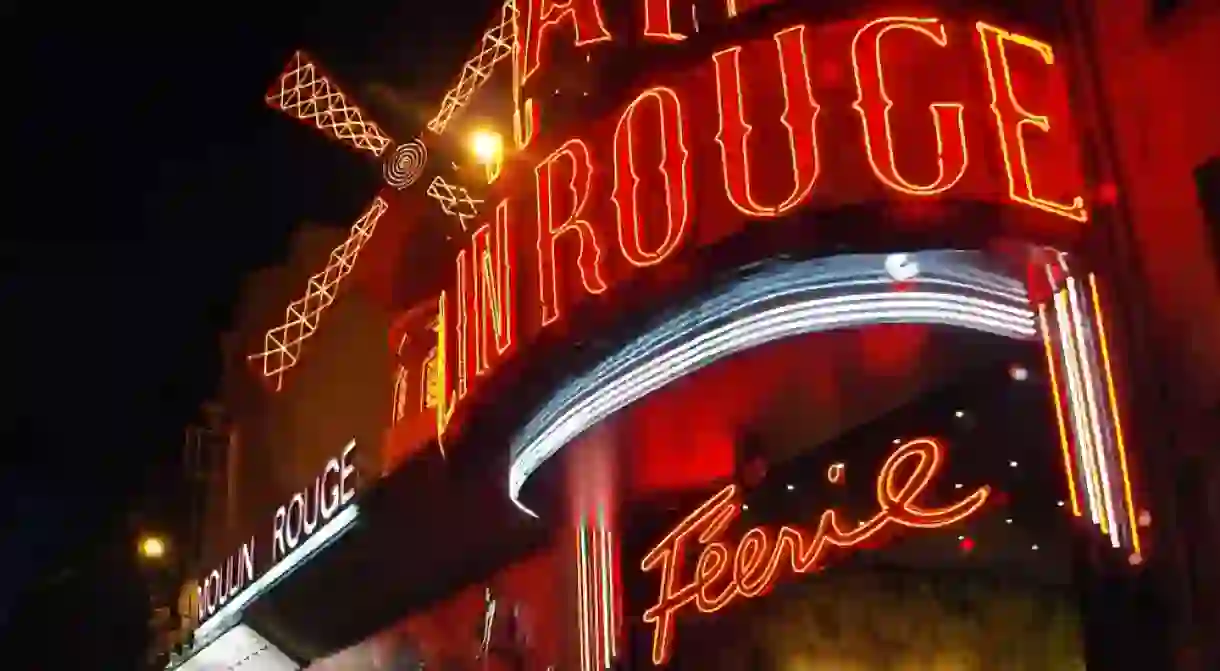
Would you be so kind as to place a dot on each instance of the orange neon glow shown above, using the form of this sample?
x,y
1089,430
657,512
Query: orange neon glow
x,y
429,383
752,567
445,399
799,116
525,123
736,7
454,200
659,21
493,286
541,15
571,220
1052,367
875,105
673,168
588,260
834,474
303,92
462,295
497,43
1012,131
1115,416
282,345
525,112
402,382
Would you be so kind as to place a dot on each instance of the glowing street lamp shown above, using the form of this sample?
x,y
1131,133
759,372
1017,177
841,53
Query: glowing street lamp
x,y
488,149
486,145
152,547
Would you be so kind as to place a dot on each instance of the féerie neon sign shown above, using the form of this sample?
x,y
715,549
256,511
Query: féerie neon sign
x,y
724,573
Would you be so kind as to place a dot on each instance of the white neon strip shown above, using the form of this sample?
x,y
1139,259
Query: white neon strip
x,y
663,338
742,319
757,329
330,531
1115,417
1095,426
786,321
1084,437
582,587
1090,377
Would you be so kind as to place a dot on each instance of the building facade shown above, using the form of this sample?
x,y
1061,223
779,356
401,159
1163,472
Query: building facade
x,y
760,334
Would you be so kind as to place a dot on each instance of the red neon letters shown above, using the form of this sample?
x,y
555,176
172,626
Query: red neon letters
x,y
723,573
675,179
493,288
655,176
875,106
800,116
542,15
1012,137
552,226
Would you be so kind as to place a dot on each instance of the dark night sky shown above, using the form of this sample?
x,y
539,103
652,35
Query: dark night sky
x,y
146,176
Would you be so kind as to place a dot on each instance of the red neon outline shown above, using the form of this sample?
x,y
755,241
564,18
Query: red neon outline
x,y
664,32
626,202
942,113
1077,209
897,493
802,137
446,400
493,286
590,272
463,324
586,16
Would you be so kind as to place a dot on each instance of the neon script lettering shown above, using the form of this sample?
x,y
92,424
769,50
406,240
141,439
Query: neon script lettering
x,y
724,573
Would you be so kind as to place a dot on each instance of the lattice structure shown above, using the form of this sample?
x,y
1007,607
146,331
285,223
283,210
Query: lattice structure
x,y
303,92
282,344
495,45
455,200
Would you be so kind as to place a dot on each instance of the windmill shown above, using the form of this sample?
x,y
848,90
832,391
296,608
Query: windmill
x,y
305,93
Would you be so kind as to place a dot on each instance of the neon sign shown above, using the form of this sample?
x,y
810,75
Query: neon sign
x,y
294,525
299,519
806,116
724,573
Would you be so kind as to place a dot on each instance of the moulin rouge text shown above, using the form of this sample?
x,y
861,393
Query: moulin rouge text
x,y
741,139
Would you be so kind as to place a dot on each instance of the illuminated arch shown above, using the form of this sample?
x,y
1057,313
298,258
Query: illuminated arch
x,y
783,300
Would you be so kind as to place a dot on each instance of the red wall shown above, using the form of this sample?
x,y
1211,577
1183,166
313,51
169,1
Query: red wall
x,y
1161,83
1160,79
449,632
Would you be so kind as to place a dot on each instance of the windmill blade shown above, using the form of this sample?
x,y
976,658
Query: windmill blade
x,y
495,46
282,344
303,92
454,200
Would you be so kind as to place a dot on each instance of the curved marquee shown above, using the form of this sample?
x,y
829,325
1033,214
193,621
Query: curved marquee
x,y
783,299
